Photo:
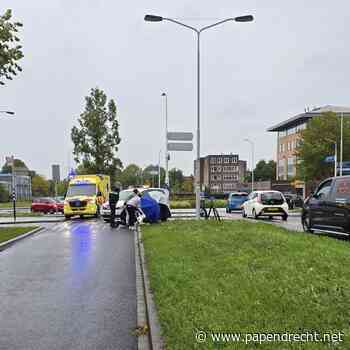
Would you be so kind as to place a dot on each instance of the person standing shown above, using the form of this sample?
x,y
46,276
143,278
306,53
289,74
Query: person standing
x,y
132,206
113,200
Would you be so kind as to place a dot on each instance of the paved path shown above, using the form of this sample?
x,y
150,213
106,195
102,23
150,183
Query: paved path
x,y
293,222
71,286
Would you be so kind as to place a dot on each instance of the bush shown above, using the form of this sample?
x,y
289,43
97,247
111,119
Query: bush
x,y
190,204
4,194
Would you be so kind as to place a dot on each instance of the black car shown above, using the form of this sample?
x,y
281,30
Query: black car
x,y
293,200
328,208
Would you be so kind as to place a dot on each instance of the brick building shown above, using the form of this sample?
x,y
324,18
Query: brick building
x,y
288,137
222,173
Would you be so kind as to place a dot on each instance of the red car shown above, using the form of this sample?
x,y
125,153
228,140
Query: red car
x,y
60,205
44,205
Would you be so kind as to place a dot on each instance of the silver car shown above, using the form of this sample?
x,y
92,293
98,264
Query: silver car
x,y
161,195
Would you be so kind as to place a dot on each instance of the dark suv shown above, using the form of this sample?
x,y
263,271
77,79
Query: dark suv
x,y
328,208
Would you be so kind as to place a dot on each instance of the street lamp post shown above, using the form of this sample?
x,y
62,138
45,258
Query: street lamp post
x,y
160,152
341,144
153,18
252,146
8,112
166,141
335,159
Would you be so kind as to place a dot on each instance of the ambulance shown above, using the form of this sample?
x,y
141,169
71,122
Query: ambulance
x,y
85,195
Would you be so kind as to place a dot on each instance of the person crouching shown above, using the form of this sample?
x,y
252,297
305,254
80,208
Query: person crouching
x,y
132,206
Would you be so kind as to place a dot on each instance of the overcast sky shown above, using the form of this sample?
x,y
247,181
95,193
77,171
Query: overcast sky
x,y
295,54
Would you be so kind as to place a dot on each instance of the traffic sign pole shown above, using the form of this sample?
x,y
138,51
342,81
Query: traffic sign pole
x,y
14,205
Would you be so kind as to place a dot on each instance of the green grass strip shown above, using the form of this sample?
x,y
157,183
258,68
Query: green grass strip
x,y
247,278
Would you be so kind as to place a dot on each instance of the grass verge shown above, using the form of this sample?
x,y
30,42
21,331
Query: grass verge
x,y
7,233
25,204
247,278
20,215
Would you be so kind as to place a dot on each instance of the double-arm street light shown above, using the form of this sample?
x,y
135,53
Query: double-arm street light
x,y
8,112
198,31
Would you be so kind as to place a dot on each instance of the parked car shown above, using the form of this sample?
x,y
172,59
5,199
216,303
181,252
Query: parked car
x,y
293,200
44,205
328,208
161,195
235,201
265,203
60,204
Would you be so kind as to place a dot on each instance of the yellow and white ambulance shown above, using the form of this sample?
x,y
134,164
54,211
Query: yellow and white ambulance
x,y
85,195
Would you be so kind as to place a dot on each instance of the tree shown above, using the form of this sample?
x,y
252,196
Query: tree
x,y
18,163
150,175
187,185
130,176
317,142
265,171
97,138
176,179
4,194
10,51
60,187
40,186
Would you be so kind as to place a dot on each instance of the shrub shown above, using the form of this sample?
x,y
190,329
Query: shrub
x,y
4,194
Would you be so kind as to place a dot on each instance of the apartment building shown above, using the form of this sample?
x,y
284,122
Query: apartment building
x,y
288,137
222,173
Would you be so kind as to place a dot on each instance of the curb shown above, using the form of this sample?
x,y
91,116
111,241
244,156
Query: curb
x,y
12,241
146,310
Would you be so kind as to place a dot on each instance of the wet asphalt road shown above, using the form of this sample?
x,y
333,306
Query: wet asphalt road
x,y
71,286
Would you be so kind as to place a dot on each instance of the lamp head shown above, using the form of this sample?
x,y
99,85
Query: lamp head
x,y
153,18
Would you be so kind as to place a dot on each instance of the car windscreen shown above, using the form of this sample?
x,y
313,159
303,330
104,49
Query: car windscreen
x,y
125,195
81,190
271,198
236,197
342,189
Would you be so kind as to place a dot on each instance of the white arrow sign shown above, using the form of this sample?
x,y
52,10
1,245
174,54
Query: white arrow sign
x,y
180,146
180,136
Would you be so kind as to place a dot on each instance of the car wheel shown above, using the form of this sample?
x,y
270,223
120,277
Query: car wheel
x,y
270,217
255,216
306,222
244,213
284,217
67,217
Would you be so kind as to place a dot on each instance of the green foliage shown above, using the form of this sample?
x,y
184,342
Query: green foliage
x,y
265,170
61,188
10,50
18,163
150,175
130,176
96,139
176,179
4,194
191,203
40,186
317,142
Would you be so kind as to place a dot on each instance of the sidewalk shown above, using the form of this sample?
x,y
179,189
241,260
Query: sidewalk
x,y
31,220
